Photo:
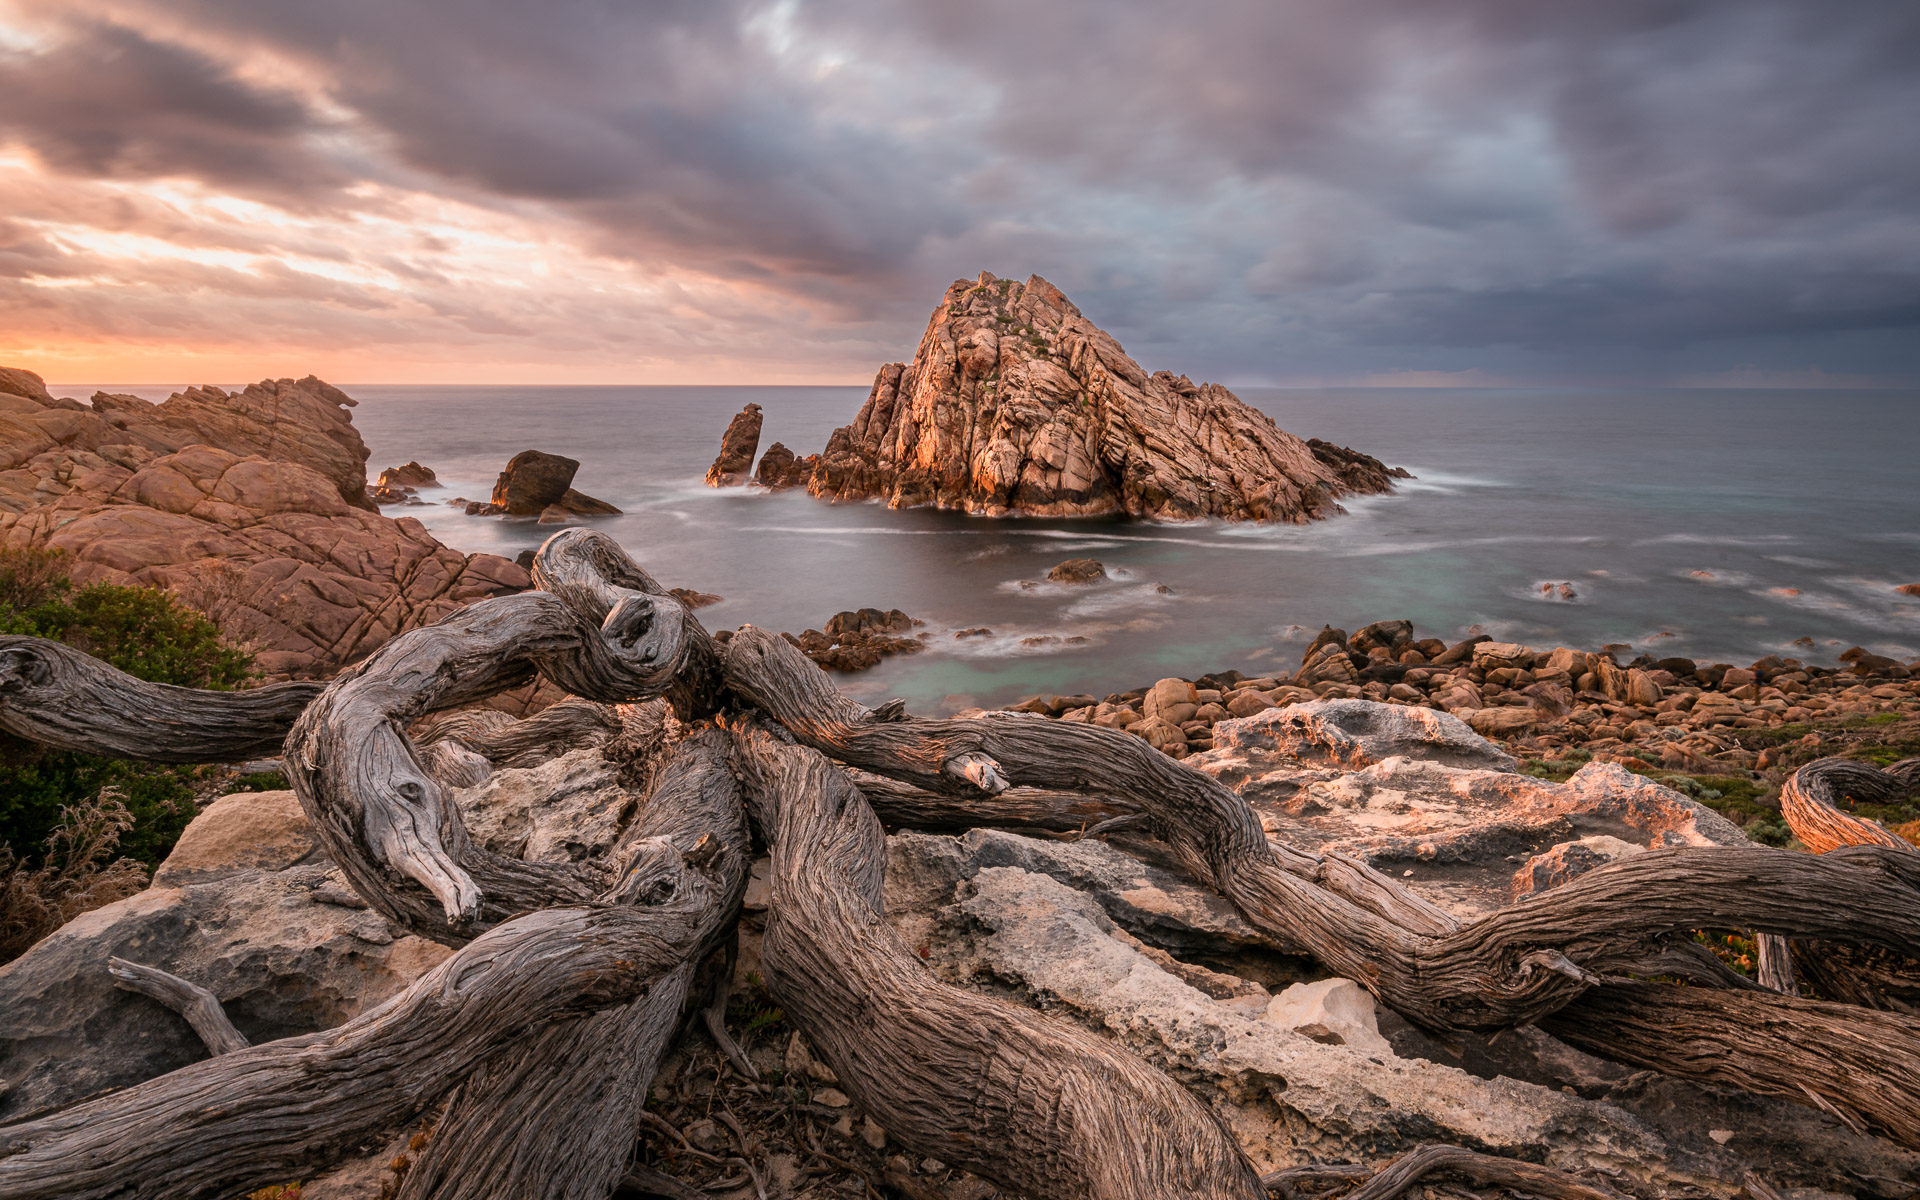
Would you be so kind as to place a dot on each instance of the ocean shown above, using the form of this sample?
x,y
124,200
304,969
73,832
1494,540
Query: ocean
x,y
1720,525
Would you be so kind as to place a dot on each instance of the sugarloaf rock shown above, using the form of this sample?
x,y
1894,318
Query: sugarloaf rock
x,y
1015,403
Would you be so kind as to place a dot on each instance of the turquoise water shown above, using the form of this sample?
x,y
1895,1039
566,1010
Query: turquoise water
x,y
1714,524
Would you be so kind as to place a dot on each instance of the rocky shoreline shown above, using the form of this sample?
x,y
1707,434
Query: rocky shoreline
x,y
1744,728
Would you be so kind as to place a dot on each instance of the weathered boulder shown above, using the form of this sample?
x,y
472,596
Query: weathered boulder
x,y
1355,734
1016,403
245,907
410,474
1078,570
737,446
1554,867
1416,792
532,481
268,549
779,469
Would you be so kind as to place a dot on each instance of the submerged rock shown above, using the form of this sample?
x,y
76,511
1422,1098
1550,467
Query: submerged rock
x,y
1016,403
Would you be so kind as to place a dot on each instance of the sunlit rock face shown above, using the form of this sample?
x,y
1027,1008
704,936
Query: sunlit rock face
x,y
251,505
1016,403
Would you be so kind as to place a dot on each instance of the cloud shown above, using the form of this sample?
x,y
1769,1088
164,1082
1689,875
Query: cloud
x,y
1252,189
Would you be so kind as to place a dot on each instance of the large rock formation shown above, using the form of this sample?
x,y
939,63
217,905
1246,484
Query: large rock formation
x,y
252,505
1016,403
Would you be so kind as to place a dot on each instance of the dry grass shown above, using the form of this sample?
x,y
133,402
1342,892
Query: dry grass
x,y
80,873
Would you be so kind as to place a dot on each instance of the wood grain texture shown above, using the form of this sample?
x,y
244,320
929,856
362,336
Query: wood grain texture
x,y
1859,1065
1033,1104
282,1110
375,804
57,696
1515,966
1810,801
554,1118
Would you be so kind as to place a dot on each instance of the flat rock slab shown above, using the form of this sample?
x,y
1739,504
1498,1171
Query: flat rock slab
x,y
1416,793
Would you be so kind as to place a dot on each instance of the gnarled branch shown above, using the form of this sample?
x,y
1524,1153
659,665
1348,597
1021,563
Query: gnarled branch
x,y
57,696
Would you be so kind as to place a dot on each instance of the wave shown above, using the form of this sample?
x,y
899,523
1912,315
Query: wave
x,y
1737,579
1717,539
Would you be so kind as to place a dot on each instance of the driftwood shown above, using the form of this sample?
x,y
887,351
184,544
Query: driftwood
x,y
57,696
535,1042
1871,976
1513,967
556,1117
1028,1102
281,1110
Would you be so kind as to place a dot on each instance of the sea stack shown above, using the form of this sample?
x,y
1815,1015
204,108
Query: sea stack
x,y
1015,403
737,445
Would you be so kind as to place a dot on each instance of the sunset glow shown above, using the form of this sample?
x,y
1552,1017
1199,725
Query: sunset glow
x,y
1374,194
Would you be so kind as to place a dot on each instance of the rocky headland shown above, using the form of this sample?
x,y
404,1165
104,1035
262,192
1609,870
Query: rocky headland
x,y
252,505
1015,403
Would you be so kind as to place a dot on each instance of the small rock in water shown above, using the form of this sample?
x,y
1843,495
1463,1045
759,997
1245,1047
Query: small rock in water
x,y
1078,570
411,475
978,631
1562,590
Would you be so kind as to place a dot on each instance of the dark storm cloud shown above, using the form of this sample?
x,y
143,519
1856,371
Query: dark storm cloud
x,y
107,101
1242,187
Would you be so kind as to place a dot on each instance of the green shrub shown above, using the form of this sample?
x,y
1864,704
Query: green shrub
x,y
149,634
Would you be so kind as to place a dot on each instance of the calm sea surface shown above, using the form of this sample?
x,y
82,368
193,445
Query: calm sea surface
x,y
1715,524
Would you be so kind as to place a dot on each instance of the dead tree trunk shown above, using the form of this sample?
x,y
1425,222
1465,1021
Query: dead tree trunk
x,y
1031,1103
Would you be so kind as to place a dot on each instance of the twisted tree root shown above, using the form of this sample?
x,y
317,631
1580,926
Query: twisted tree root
x,y
1512,967
1874,977
1809,802
556,1116
281,1110
381,813
1033,1104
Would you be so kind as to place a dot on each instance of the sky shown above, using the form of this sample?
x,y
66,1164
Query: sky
x,y
1281,192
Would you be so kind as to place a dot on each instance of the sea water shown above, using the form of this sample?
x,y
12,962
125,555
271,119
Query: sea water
x,y
1720,525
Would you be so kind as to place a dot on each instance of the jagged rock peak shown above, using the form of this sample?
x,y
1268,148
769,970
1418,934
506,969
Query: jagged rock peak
x,y
1016,403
